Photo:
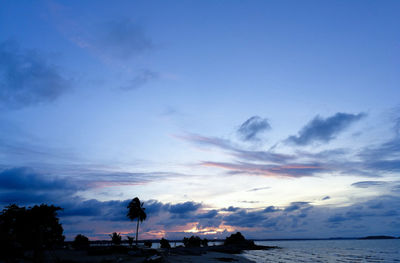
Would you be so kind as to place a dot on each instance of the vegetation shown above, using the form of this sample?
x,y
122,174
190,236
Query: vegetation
x,y
148,243
80,242
33,228
136,211
164,243
116,238
204,242
130,240
237,239
193,241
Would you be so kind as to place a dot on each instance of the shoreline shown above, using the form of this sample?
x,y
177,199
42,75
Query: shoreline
x,y
75,256
209,256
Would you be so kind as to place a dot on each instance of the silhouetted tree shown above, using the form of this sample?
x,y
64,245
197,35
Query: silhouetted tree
x,y
193,241
116,238
238,239
204,242
130,240
35,228
136,210
164,243
81,242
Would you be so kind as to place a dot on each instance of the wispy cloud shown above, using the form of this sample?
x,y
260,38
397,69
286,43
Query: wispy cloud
x,y
123,39
289,170
141,78
368,184
27,78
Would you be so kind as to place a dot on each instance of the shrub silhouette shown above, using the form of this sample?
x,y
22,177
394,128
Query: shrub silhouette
x,y
116,238
164,243
204,242
148,243
130,240
81,242
193,241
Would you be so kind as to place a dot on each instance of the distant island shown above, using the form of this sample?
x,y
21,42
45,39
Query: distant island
x,y
378,237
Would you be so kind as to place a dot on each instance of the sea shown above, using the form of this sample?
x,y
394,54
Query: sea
x,y
382,250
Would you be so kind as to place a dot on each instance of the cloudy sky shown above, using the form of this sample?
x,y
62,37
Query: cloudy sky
x,y
279,119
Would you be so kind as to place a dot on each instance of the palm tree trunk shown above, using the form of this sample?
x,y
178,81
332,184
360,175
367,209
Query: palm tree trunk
x,y
137,231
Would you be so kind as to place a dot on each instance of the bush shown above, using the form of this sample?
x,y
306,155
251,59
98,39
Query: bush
x,y
130,240
116,238
148,243
237,239
164,243
80,242
193,241
204,242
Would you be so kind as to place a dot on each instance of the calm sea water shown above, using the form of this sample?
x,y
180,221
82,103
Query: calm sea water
x,y
387,250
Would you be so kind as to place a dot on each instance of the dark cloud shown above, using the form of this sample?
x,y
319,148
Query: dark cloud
x,y
367,184
271,209
326,198
230,209
25,186
23,178
296,206
210,214
245,218
123,39
26,78
183,208
252,127
324,130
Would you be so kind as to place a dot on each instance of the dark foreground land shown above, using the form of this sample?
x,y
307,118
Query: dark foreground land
x,y
220,253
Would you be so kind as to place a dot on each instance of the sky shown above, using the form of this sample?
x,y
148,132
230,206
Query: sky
x,y
278,119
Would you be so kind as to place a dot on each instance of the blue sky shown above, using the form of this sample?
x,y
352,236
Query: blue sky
x,y
266,117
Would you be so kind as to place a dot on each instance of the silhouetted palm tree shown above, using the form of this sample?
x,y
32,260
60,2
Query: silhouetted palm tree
x,y
136,210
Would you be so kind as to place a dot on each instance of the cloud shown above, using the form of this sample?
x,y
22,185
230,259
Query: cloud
x,y
271,209
227,145
258,189
289,170
296,206
123,39
253,127
23,178
184,208
142,78
26,78
324,130
367,184
26,186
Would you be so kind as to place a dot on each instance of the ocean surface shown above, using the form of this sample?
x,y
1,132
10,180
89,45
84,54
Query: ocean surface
x,y
387,250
